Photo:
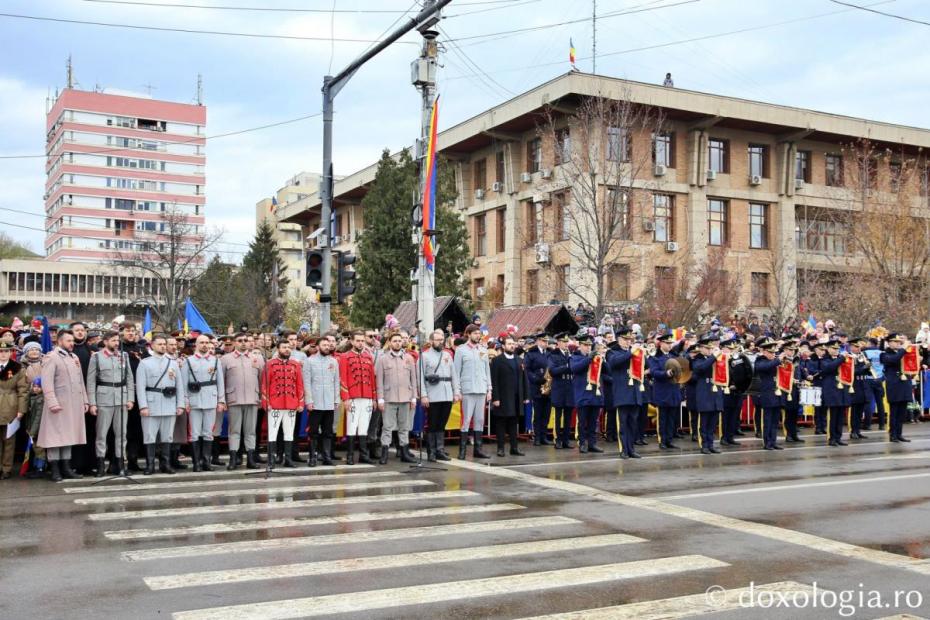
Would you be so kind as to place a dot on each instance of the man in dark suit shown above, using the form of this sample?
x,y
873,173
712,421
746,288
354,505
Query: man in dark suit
x,y
666,393
562,394
509,392
899,387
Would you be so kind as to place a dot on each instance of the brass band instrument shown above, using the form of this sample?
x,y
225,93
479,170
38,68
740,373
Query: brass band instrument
x,y
546,388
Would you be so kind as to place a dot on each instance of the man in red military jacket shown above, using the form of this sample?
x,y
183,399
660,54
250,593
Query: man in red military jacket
x,y
282,391
357,388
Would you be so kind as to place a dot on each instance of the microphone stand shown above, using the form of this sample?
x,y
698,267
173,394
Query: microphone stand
x,y
121,412
419,466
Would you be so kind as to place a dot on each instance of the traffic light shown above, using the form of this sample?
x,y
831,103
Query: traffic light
x,y
315,269
345,277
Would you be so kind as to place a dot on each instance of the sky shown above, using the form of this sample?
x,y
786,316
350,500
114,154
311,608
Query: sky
x,y
806,53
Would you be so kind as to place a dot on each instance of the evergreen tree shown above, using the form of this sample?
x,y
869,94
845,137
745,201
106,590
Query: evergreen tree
x,y
259,267
223,298
386,252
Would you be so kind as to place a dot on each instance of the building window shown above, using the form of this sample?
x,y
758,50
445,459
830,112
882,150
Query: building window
x,y
758,226
834,170
716,221
617,283
820,234
501,230
500,285
663,149
617,212
532,287
563,146
534,223
663,207
533,155
759,289
481,235
479,290
894,176
499,166
480,169
718,155
665,282
802,166
563,217
563,273
619,145
758,160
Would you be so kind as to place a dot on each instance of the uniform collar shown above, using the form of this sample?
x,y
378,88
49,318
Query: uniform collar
x,y
202,357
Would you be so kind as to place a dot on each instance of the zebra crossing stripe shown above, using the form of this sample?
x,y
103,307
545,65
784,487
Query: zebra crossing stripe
x,y
218,471
422,558
247,546
279,505
204,495
709,602
187,484
256,526
505,585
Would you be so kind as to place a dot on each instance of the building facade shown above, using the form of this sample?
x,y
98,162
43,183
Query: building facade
x,y
755,181
116,165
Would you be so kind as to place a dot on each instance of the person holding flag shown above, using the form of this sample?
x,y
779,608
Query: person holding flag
x,y
14,399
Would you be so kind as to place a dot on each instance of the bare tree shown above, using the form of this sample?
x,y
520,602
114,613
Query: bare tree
x,y
604,160
174,257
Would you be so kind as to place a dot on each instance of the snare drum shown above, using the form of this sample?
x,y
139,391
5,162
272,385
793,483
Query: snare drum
x,y
811,396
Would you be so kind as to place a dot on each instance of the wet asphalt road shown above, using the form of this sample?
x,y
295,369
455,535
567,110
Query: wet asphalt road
x,y
550,533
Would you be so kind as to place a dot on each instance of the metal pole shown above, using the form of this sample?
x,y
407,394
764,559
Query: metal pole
x,y
331,87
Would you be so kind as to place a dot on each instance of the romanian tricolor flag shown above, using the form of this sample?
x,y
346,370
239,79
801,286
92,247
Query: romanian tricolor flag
x,y
25,466
429,190
679,333
274,204
571,52
147,325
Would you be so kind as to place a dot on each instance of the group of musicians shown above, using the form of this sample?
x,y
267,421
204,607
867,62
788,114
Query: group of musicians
x,y
711,377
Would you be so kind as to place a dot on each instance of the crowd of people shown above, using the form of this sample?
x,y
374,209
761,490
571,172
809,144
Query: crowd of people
x,y
79,397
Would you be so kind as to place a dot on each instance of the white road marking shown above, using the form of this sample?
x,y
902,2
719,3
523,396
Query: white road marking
x,y
724,452
791,487
894,457
247,546
208,495
682,606
418,559
222,471
903,617
254,526
772,532
185,484
279,505
506,585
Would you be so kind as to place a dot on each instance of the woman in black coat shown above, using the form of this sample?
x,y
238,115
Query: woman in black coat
x,y
509,392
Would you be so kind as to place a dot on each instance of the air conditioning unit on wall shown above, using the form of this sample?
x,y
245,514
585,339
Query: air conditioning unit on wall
x,y
755,179
542,253
671,246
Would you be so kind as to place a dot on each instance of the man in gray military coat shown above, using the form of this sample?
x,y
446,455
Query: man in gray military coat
x,y
439,385
161,397
206,396
111,392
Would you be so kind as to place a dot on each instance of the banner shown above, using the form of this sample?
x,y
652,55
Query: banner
x,y
785,379
721,373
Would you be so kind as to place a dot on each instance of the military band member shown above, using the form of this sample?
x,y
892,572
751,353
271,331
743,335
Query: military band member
x,y
65,403
473,371
537,363
321,392
790,401
509,392
628,397
282,393
835,396
439,384
396,380
816,379
740,378
206,397
708,398
859,397
161,396
587,396
358,393
767,398
562,394
242,372
666,393
111,392
898,386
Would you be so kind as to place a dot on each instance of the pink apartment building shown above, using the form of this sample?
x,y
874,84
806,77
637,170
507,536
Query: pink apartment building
x,y
115,165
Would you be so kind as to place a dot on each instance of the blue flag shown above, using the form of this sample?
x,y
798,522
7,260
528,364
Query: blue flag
x,y
147,324
194,320
46,340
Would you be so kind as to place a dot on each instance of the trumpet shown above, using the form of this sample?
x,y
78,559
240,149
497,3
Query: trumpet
x,y
546,388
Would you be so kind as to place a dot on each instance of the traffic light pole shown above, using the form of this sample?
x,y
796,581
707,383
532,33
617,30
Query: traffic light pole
x,y
331,87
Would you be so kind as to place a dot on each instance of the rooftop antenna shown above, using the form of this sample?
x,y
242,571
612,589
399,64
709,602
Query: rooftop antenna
x,y
199,89
149,88
70,73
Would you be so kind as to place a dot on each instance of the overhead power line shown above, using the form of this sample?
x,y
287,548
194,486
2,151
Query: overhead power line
x,y
265,9
892,15
255,35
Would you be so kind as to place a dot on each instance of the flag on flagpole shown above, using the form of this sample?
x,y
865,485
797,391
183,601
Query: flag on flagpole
x,y
193,320
812,323
46,338
25,466
274,204
429,190
147,324
571,52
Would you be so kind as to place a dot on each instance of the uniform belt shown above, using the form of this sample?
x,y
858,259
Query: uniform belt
x,y
155,389
110,384
203,383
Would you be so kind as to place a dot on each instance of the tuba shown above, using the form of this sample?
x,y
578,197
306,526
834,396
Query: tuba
x,y
546,388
